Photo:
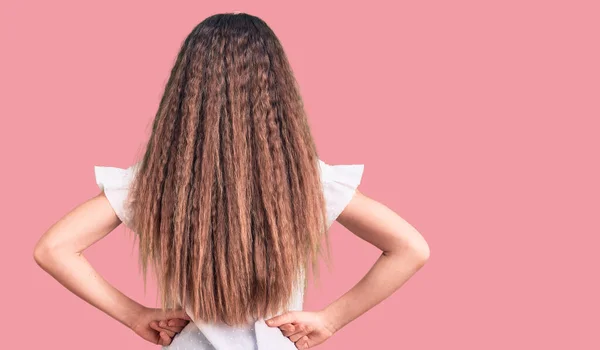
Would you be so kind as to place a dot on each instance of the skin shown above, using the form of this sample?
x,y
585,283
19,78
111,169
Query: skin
x,y
60,253
404,252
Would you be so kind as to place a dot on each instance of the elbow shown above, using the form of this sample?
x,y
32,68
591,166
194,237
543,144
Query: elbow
x,y
421,252
418,247
415,249
40,253
43,254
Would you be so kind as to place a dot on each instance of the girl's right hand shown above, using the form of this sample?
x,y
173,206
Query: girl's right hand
x,y
158,326
305,329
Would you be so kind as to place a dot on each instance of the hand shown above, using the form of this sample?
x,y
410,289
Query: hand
x,y
305,329
158,326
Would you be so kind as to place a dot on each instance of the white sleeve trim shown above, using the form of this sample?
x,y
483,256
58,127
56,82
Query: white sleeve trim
x,y
114,182
340,182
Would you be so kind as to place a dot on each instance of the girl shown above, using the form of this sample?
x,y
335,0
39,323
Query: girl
x,y
231,205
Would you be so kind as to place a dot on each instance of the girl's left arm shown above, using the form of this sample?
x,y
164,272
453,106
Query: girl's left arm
x,y
60,253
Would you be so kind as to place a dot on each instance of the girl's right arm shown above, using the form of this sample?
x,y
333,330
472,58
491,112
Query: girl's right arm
x,y
60,253
404,252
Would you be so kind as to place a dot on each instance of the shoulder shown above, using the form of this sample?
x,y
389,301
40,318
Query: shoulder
x,y
340,183
115,182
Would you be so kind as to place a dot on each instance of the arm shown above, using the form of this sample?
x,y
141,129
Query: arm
x,y
60,253
404,252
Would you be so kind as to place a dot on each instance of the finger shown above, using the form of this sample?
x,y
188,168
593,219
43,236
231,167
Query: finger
x,y
297,336
301,330
169,332
288,317
287,329
164,326
164,339
154,325
178,313
174,329
157,327
177,322
302,343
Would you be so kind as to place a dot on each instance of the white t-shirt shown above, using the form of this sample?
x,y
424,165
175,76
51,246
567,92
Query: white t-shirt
x,y
339,185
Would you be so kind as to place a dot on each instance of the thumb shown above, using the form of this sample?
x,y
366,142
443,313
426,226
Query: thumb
x,y
284,318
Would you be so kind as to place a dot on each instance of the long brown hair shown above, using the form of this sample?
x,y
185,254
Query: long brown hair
x,y
227,200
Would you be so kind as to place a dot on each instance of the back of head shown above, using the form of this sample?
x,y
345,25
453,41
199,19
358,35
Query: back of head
x,y
227,200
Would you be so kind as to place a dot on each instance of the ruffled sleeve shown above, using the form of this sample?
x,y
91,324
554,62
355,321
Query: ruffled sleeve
x,y
115,184
339,185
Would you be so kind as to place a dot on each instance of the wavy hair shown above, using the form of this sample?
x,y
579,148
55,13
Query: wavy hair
x,y
227,200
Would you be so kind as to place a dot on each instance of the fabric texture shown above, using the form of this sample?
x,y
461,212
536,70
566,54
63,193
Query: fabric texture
x,y
115,184
339,186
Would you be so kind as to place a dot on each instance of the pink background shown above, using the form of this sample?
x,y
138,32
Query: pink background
x,y
477,122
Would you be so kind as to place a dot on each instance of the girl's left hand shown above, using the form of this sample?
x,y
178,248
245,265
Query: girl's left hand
x,y
158,326
305,329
